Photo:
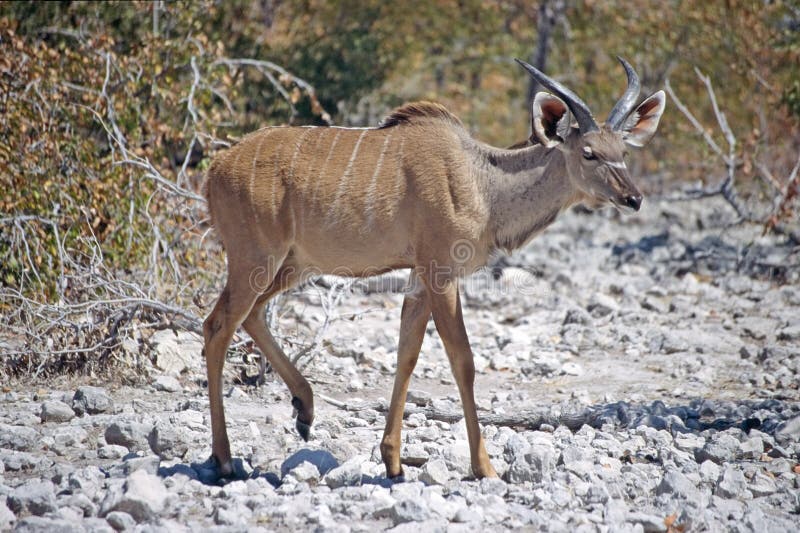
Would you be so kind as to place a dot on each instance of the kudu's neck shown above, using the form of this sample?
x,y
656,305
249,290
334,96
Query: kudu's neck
x,y
527,189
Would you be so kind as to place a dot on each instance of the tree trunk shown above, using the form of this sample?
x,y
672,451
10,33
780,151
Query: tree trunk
x,y
550,11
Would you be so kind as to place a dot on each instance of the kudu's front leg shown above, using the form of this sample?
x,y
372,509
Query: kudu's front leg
x,y
413,321
446,308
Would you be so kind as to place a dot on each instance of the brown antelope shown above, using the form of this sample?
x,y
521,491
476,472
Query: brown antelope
x,y
415,192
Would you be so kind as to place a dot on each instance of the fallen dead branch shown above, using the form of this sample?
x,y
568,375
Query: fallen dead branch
x,y
623,414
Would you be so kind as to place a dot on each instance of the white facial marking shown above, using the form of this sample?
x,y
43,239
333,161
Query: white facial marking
x,y
616,164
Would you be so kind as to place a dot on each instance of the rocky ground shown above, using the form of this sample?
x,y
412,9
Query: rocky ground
x,y
635,374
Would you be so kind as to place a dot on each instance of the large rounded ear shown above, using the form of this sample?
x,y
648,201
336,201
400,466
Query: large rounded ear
x,y
549,119
641,125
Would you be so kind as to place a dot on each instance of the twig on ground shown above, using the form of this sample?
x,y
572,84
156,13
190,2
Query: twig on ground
x,y
329,299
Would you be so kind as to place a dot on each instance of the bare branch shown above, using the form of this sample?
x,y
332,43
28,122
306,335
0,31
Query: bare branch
x,y
767,175
696,123
329,300
721,120
269,69
195,82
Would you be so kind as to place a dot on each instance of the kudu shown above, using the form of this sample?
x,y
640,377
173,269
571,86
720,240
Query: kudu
x,y
416,192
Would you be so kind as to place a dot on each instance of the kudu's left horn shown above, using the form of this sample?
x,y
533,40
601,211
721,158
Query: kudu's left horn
x,y
578,107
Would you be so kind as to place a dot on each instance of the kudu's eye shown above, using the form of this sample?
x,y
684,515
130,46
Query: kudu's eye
x,y
588,154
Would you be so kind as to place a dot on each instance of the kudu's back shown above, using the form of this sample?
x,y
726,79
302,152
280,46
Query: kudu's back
x,y
357,200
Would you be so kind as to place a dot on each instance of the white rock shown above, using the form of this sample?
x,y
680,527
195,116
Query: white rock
x,y
120,521
709,471
18,438
177,353
6,517
409,511
305,472
348,474
732,484
167,441
535,464
34,497
435,472
458,458
236,514
91,400
167,384
752,448
418,397
143,496
68,437
129,433
56,411
571,368
601,304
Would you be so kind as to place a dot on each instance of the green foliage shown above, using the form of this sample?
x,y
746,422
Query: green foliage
x,y
90,93
791,97
111,112
89,87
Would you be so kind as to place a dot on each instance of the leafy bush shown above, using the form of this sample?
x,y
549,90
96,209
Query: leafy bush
x,y
113,110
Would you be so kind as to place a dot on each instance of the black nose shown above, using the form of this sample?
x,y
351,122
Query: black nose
x,y
634,201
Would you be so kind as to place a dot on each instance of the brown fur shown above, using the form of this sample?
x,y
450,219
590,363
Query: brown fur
x,y
416,192
419,110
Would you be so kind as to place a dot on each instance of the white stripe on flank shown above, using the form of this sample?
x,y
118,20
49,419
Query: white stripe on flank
x,y
315,150
343,182
616,164
297,148
353,156
276,179
253,172
400,163
309,171
373,184
322,176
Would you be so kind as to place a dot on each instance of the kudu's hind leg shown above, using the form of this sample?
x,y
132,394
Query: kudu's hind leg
x,y
233,306
413,320
255,325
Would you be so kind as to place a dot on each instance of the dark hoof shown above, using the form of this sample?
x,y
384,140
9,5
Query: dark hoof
x,y
212,472
303,426
396,478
